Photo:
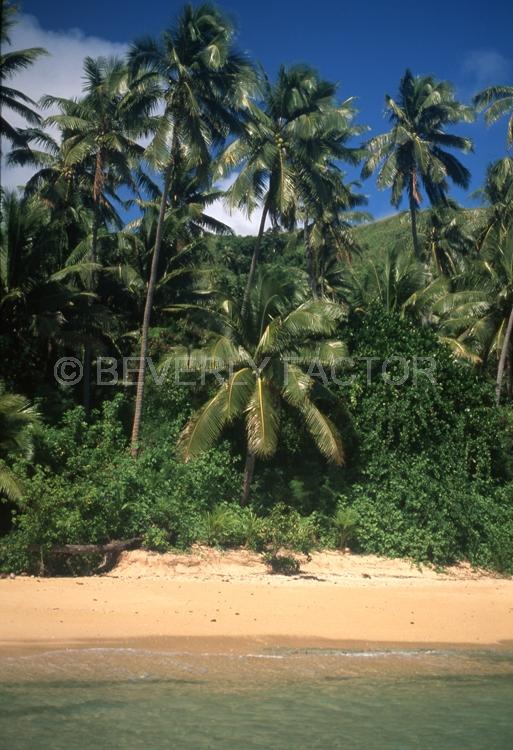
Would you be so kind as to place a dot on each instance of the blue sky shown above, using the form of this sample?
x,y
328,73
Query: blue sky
x,y
365,47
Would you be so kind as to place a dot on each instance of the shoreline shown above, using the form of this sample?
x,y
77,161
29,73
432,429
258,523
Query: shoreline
x,y
217,601
197,646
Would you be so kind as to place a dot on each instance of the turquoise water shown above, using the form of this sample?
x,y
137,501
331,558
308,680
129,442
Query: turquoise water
x,y
283,700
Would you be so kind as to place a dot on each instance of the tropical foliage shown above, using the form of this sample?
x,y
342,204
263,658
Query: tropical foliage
x,y
329,381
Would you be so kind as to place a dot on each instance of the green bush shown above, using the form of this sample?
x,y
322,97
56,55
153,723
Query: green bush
x,y
285,565
345,524
285,528
85,488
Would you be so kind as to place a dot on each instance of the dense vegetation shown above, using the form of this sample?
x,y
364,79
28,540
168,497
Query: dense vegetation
x,y
330,381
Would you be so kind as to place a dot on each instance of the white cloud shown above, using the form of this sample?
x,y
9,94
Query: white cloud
x,y
485,67
60,74
237,220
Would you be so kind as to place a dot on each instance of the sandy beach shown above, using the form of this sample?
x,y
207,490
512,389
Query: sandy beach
x,y
219,598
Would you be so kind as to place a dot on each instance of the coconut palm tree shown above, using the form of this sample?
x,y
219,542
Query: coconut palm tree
x,y
65,189
327,232
447,239
11,63
285,154
414,150
17,421
100,134
100,131
264,352
497,193
497,101
391,278
478,315
42,307
186,222
205,84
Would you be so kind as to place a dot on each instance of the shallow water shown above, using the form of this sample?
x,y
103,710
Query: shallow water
x,y
283,699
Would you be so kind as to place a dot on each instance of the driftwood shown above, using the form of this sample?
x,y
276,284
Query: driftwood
x,y
97,549
109,550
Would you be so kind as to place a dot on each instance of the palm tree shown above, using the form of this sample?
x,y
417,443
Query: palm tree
x,y
285,154
478,315
42,308
17,421
497,101
327,232
205,84
392,279
185,223
264,353
498,194
413,151
448,238
66,190
100,133
10,64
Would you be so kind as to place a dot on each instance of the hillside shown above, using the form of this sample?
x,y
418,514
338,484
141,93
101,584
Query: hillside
x,y
395,230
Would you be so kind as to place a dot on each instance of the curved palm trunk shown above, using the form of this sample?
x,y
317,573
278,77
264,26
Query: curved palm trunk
x,y
413,195
136,426
503,357
255,258
249,470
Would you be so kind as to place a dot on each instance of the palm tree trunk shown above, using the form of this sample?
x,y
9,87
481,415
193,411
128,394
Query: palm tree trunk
x,y
254,259
502,359
249,470
88,353
312,279
86,379
413,214
134,443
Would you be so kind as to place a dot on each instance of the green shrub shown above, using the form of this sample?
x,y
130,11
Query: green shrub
x,y
222,527
156,539
285,565
285,528
85,488
345,523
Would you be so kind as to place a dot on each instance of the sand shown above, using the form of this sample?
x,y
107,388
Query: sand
x,y
229,598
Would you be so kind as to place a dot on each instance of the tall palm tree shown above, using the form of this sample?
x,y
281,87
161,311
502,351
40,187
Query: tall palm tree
x,y
285,152
11,63
205,84
185,223
17,421
413,151
100,131
264,353
65,189
497,101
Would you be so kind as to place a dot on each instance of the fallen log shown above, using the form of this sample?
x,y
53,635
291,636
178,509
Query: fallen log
x,y
97,549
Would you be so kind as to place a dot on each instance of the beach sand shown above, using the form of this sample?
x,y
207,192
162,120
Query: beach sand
x,y
227,599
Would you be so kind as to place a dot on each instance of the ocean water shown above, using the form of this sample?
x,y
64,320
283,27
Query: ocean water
x,y
285,699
